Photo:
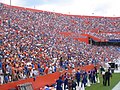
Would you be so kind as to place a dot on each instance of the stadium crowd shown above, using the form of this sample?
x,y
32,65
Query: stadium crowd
x,y
30,43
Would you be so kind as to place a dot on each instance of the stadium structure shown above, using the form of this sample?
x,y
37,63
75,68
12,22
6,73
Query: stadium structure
x,y
37,46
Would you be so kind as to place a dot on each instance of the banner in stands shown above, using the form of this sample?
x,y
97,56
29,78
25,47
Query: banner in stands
x,y
79,37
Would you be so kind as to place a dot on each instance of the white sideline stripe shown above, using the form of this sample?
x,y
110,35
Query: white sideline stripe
x,y
117,87
117,71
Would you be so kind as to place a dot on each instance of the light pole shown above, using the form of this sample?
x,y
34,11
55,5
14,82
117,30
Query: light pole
x,y
35,4
10,2
92,14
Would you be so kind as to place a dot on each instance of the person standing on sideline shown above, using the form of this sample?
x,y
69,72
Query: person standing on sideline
x,y
101,69
65,80
70,83
59,84
74,84
107,77
78,77
103,76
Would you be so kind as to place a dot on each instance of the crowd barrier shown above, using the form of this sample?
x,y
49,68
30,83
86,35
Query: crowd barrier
x,y
41,81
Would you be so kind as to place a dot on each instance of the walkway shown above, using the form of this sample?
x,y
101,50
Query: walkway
x,y
117,87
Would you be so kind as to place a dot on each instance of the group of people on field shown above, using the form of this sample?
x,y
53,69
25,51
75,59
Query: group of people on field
x,y
81,79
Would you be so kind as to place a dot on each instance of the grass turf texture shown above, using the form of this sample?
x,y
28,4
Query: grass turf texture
x,y
113,81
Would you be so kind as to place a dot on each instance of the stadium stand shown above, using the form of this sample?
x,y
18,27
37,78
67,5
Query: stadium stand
x,y
39,43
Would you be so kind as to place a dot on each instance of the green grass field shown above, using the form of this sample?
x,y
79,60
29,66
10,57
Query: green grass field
x,y
114,80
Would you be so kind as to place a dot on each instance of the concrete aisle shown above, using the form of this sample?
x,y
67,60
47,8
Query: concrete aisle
x,y
117,87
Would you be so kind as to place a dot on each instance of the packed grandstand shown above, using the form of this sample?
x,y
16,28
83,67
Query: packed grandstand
x,y
38,43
